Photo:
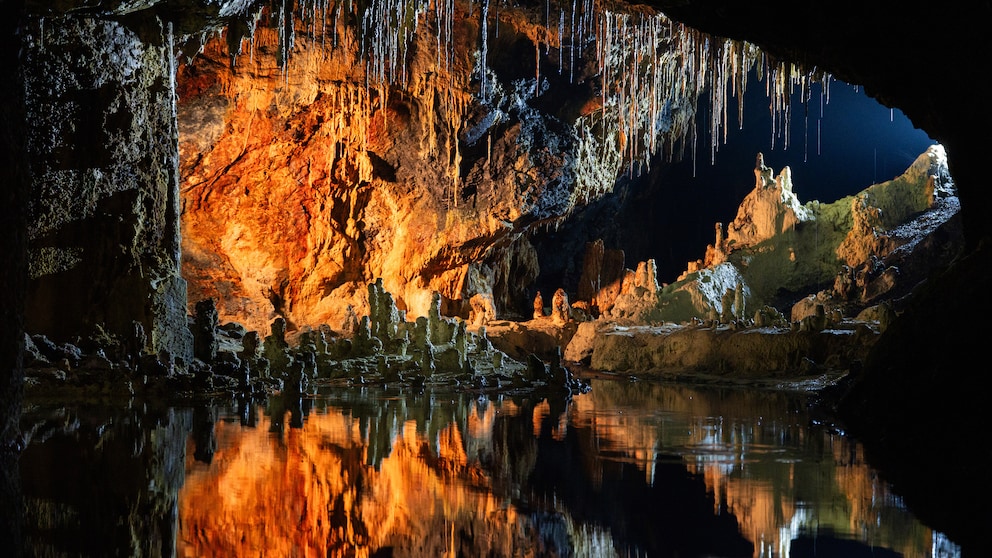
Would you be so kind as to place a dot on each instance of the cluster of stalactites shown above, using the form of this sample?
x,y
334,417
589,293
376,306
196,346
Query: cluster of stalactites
x,y
652,66
385,30
653,70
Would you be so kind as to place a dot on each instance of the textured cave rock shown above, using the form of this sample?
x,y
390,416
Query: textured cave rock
x,y
878,244
13,277
101,146
301,184
777,250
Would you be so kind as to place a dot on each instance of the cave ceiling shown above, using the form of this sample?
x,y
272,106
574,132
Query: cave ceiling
x,y
896,53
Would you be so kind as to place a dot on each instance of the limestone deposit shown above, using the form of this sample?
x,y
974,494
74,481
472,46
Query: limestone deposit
x,y
754,305
777,252
306,176
385,349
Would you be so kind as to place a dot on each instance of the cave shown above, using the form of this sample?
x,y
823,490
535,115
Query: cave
x,y
295,166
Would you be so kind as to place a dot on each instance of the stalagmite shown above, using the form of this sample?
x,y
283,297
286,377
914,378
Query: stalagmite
x,y
205,342
561,311
739,301
538,306
437,327
276,349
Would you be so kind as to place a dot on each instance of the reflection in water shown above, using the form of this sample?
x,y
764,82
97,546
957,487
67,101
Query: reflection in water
x,y
102,482
626,469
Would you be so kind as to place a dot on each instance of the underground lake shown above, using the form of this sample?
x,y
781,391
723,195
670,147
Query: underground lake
x,y
628,468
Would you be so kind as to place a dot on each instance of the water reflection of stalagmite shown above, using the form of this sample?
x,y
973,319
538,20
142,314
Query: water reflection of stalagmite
x,y
655,469
204,441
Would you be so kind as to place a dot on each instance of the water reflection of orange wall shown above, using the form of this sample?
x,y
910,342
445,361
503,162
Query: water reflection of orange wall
x,y
849,498
338,486
309,492
844,495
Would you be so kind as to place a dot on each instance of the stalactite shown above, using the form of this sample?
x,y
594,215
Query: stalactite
x,y
287,33
483,48
653,72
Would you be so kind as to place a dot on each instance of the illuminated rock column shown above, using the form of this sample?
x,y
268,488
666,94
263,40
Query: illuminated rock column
x,y
102,148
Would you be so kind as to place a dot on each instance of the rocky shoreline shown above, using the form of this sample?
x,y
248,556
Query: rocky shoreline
x,y
736,354
710,326
536,356
384,349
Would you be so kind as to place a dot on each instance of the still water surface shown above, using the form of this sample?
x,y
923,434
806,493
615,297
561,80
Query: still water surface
x,y
628,469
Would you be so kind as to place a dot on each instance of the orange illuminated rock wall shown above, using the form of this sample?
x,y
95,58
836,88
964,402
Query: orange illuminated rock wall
x,y
422,148
421,144
300,185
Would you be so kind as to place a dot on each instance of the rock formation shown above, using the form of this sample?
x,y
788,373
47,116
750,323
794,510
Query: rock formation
x,y
777,251
101,135
697,351
703,323
433,351
301,182
538,306
307,170
561,310
771,209
205,324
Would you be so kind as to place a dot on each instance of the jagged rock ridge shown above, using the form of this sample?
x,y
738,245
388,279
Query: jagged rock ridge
x,y
727,315
777,250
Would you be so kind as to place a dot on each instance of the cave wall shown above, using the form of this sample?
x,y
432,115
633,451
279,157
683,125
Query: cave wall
x,y
302,185
103,212
13,277
305,176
